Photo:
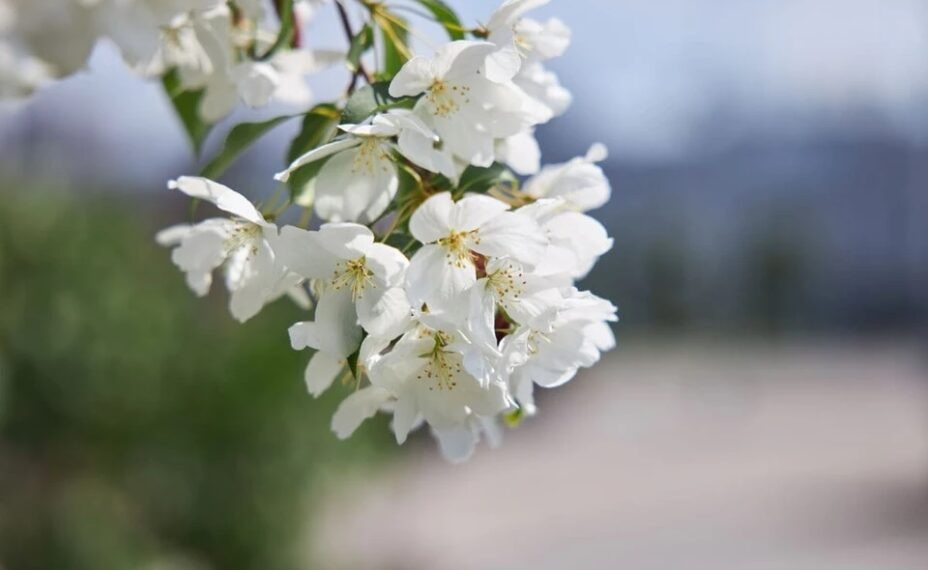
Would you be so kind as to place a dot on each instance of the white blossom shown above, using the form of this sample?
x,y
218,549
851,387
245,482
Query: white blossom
x,y
241,245
426,376
359,178
550,358
575,240
467,110
580,181
458,236
357,281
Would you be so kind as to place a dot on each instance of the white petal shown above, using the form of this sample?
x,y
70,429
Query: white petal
x,y
345,240
421,150
601,335
466,139
322,370
301,251
521,152
583,235
258,287
433,279
385,314
203,249
457,443
405,120
503,64
335,329
317,153
475,210
388,263
256,82
173,235
597,153
356,408
512,235
405,416
461,59
219,99
512,10
432,219
413,78
356,185
223,197
397,368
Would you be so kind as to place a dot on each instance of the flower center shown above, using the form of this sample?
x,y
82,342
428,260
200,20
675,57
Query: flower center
x,y
244,234
370,156
446,98
457,247
353,274
507,282
441,371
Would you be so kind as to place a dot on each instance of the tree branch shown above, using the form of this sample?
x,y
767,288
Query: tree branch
x,y
346,26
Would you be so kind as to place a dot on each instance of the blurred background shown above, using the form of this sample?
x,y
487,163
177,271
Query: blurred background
x,y
767,406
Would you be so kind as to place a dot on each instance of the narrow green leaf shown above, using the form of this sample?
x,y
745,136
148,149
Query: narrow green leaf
x,y
318,126
239,139
365,101
360,43
445,16
186,106
395,44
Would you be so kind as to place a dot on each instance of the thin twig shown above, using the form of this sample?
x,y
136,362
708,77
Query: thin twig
x,y
346,26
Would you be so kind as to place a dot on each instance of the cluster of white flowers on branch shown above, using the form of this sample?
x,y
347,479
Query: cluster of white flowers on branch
x,y
440,285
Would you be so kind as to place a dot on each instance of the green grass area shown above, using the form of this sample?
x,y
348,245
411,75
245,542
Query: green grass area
x,y
141,427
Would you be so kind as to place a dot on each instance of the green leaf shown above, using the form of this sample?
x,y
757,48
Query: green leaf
x,y
360,43
239,139
352,362
445,16
318,126
395,43
186,105
365,101
479,180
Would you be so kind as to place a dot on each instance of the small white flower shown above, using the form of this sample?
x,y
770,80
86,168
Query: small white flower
x,y
459,236
580,182
467,110
575,241
523,44
242,245
357,280
520,152
359,178
457,444
425,374
531,39
553,357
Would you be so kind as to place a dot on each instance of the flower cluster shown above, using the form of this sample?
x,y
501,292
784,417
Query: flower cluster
x,y
440,285
223,50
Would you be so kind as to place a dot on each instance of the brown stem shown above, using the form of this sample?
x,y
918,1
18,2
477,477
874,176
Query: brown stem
x,y
346,26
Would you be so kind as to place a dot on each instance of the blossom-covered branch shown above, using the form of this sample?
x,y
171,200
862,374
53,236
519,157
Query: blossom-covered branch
x,y
440,285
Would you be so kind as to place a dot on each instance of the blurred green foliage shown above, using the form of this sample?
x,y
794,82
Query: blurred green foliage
x,y
141,427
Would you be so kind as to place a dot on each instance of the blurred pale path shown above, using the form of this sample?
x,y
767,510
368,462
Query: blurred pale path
x,y
675,456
